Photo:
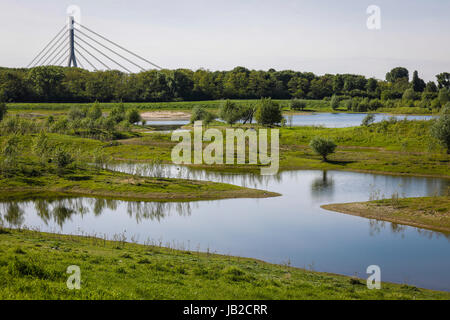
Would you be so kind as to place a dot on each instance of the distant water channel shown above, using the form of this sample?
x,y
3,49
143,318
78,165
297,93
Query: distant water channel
x,y
291,229
327,120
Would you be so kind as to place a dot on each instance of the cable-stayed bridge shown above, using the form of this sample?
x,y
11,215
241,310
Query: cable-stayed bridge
x,y
76,45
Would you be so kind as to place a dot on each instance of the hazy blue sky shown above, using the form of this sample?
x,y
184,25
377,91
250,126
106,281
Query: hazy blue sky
x,y
321,36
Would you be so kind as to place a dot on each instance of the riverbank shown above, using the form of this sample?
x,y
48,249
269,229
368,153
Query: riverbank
x,y
392,147
33,266
431,213
120,186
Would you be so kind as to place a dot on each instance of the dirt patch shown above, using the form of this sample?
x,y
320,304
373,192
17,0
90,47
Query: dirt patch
x,y
165,115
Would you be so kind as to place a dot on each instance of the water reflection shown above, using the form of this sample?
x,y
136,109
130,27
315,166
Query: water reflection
x,y
62,210
290,227
322,186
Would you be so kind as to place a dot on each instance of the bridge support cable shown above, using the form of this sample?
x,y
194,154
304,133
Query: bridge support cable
x,y
85,59
62,60
45,55
98,60
100,44
75,41
48,44
130,52
103,54
54,53
58,55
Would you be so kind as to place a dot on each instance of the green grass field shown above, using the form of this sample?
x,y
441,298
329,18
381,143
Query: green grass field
x,y
402,147
33,266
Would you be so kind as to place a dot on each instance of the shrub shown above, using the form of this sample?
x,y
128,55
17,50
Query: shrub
x,y
3,110
444,96
42,147
368,120
63,158
198,113
230,112
334,102
322,146
436,104
77,113
10,152
94,112
441,130
268,112
375,104
298,105
133,116
348,104
360,105
409,94
117,114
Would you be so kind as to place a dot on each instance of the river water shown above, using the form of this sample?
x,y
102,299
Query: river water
x,y
327,120
290,229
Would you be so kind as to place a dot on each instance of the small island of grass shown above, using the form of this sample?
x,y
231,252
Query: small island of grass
x,y
428,212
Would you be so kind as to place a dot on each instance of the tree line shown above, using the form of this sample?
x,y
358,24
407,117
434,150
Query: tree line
x,y
62,84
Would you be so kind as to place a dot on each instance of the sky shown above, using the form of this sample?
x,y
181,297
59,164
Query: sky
x,y
320,36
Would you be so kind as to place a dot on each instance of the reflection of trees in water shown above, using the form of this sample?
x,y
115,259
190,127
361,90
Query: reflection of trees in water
x,y
62,210
192,173
376,226
12,213
322,186
157,210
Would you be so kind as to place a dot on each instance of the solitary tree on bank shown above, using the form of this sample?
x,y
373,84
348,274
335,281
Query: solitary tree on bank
x,y
323,146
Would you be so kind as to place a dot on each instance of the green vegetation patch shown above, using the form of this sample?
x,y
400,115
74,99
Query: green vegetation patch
x,y
33,266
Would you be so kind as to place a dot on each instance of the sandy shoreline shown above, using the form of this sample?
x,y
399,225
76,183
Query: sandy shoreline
x,y
386,213
165,115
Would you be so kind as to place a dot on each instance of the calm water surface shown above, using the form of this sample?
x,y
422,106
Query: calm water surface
x,y
342,120
328,120
288,229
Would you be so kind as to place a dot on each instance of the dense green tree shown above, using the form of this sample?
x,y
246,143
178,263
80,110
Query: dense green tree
x,y
443,80
409,94
418,84
46,82
371,85
334,102
338,83
268,112
298,105
397,74
298,87
444,96
431,87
